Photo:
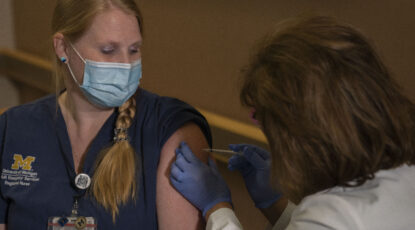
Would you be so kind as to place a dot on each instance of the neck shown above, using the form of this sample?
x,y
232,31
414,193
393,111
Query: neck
x,y
79,113
83,121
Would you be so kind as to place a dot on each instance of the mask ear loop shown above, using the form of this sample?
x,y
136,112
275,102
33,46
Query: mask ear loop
x,y
69,67
70,71
77,53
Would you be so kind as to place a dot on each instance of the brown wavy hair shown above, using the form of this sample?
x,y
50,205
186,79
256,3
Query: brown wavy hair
x,y
72,18
332,114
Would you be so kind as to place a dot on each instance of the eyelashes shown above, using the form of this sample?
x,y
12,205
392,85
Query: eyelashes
x,y
107,51
112,51
134,51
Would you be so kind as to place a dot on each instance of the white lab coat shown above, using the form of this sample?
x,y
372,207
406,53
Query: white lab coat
x,y
384,203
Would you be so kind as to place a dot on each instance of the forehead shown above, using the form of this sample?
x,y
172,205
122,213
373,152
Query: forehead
x,y
114,25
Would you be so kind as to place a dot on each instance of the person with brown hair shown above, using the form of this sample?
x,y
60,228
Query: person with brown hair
x,y
341,134
97,155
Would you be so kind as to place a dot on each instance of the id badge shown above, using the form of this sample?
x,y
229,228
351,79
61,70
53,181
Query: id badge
x,y
72,223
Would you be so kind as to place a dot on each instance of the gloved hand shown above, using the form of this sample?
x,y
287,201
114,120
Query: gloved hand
x,y
199,183
254,166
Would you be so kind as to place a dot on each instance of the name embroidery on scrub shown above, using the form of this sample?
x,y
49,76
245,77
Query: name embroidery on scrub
x,y
21,172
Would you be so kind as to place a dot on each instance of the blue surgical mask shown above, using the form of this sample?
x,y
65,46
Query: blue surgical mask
x,y
108,84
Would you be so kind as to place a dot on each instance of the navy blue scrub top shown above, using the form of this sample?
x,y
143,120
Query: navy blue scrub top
x,y
35,183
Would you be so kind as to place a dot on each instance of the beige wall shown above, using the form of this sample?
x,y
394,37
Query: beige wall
x,y
6,24
8,93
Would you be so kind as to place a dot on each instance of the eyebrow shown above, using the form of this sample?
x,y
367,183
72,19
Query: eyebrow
x,y
138,43
116,44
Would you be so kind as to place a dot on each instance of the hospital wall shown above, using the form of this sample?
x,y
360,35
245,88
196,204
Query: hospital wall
x,y
194,49
8,92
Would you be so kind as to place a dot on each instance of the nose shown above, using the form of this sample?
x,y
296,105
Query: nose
x,y
125,58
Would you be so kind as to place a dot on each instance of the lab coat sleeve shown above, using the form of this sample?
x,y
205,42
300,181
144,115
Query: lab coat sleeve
x,y
285,217
324,212
223,219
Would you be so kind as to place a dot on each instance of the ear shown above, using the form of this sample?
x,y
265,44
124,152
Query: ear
x,y
60,46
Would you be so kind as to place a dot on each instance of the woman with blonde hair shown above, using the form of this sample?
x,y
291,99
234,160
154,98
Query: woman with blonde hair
x,y
96,155
341,134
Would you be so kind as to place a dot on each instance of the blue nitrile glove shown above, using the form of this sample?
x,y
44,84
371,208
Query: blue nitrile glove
x,y
254,165
199,183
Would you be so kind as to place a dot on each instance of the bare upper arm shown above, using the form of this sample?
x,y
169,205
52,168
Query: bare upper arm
x,y
2,227
173,210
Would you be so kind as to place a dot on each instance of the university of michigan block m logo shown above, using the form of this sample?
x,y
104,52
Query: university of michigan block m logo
x,y
19,162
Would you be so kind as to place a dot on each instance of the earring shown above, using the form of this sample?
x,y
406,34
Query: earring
x,y
63,59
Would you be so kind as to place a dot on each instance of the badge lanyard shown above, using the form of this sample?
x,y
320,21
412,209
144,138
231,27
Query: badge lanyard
x,y
80,182
75,221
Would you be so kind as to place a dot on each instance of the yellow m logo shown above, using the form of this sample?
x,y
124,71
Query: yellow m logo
x,y
25,164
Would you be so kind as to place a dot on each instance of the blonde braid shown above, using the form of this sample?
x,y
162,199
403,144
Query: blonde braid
x,y
114,180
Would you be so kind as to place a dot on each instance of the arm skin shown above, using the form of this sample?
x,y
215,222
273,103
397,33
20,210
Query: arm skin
x,y
173,210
